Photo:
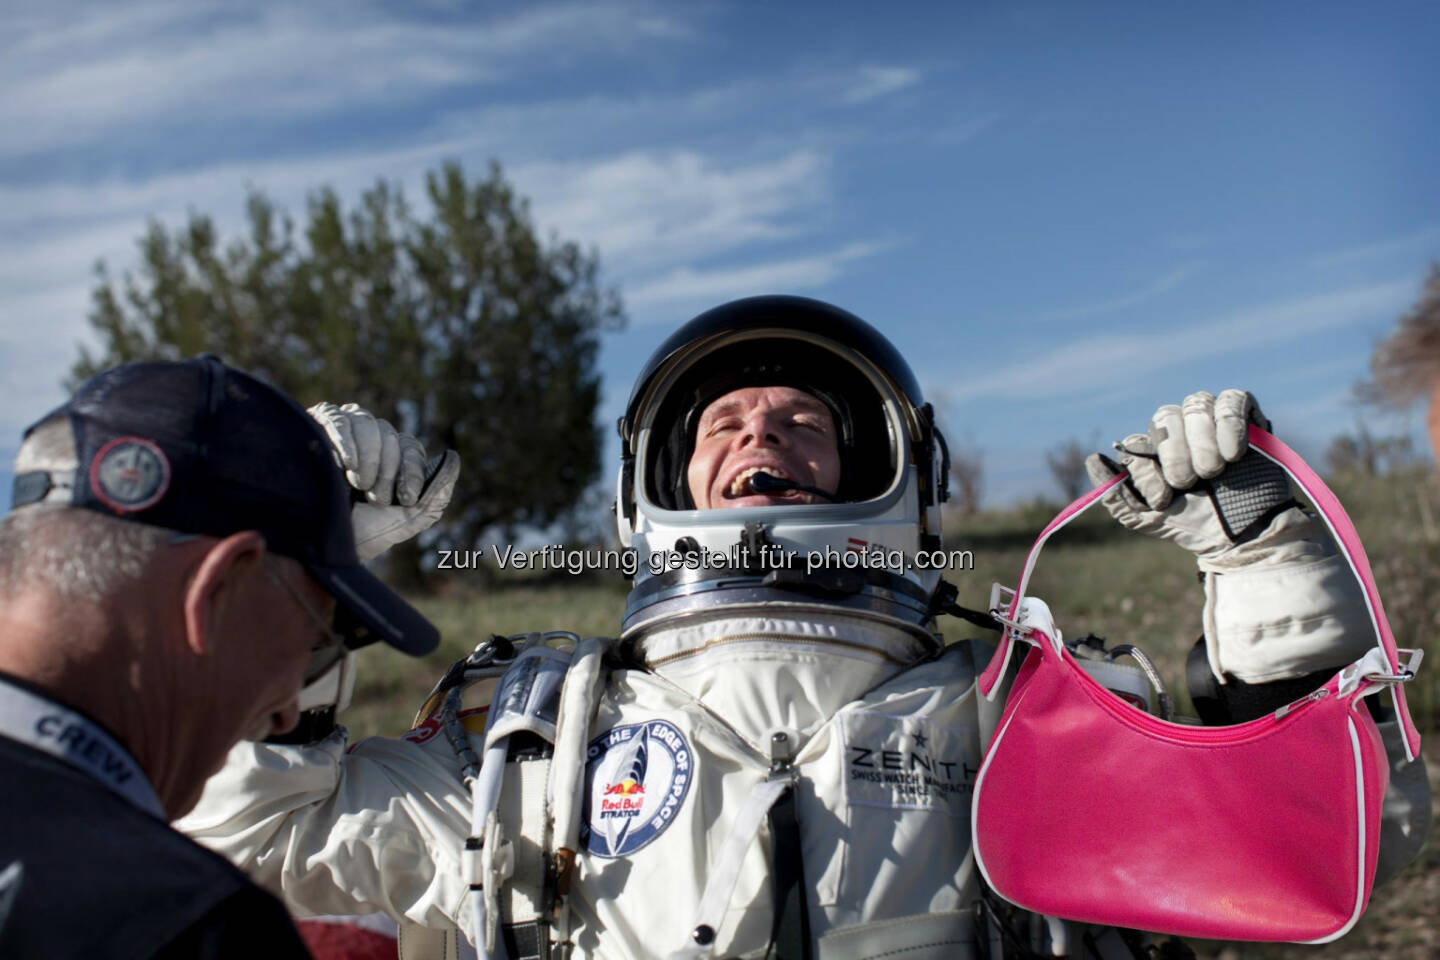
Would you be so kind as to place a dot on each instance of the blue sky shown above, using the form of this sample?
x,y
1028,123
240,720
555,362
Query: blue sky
x,y
1063,214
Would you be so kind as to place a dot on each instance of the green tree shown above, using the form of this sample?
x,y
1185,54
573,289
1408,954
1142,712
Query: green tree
x,y
1067,465
462,326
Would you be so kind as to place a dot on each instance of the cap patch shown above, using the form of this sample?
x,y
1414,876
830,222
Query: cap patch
x,y
130,474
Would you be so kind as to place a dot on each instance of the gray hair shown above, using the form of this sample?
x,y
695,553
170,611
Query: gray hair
x,y
1406,366
75,553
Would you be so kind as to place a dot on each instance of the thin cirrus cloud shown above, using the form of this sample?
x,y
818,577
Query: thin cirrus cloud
x,y
1069,369
52,235
1150,291
764,106
60,206
1410,243
648,209
797,273
69,79
876,82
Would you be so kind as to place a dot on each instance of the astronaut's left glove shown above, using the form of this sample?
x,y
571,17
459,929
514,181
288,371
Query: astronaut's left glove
x,y
1279,601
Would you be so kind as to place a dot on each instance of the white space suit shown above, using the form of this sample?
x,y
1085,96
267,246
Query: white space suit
x,y
764,762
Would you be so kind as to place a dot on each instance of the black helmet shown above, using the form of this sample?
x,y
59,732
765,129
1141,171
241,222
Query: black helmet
x,y
772,341
892,459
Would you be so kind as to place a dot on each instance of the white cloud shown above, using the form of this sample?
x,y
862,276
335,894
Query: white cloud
x,y
661,216
645,209
647,212
36,358
963,126
1071,368
587,122
662,28
52,235
1155,288
71,77
1424,239
799,273
55,208
876,82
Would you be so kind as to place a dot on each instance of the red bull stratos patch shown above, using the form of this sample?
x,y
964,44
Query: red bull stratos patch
x,y
636,779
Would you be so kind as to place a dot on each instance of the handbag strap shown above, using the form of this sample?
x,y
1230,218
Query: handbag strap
x,y
1330,510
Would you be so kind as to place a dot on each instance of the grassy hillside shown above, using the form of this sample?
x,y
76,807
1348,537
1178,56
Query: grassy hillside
x,y
1097,578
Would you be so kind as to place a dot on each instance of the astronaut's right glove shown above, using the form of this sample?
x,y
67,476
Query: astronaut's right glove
x,y
1280,602
403,495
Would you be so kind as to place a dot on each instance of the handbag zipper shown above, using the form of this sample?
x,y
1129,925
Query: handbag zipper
x,y
1320,694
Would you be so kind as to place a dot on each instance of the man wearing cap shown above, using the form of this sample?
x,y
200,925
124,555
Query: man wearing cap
x,y
179,562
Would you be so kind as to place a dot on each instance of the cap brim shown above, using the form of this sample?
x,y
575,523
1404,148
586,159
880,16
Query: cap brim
x,y
382,613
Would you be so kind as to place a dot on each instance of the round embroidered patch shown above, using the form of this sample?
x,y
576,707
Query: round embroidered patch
x,y
130,474
635,781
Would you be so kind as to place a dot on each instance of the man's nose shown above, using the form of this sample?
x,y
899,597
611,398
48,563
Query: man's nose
x,y
287,718
762,430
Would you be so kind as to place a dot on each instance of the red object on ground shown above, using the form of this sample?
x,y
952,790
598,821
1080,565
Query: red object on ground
x,y
338,940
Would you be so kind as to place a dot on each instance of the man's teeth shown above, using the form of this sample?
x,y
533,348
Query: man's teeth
x,y
741,484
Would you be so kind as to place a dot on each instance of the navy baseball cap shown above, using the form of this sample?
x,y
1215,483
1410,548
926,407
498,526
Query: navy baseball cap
x,y
201,447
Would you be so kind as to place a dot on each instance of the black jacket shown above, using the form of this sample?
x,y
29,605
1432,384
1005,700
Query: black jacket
x,y
99,878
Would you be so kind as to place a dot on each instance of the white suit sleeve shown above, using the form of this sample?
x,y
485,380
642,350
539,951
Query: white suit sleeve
x,y
380,827
1285,605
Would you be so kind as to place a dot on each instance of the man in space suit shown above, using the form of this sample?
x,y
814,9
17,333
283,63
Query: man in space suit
x,y
774,757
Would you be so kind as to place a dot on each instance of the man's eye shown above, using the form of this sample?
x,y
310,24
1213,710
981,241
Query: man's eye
x,y
722,426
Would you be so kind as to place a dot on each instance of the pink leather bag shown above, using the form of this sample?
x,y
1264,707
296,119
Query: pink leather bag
x,y
1089,809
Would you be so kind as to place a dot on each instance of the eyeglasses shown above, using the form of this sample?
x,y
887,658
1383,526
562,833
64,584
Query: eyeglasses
x,y
326,652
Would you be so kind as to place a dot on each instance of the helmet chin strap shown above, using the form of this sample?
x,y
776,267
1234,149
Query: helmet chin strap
x,y
766,483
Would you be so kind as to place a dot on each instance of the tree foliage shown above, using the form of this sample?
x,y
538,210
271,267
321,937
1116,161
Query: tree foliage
x,y
1406,364
1363,452
1067,465
462,326
967,477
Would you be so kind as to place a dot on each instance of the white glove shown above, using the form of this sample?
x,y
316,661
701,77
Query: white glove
x,y
402,498
1169,494
1279,601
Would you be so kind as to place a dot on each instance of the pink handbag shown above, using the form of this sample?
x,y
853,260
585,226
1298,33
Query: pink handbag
x,y
1089,809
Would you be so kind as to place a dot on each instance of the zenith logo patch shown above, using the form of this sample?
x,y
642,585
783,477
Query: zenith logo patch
x,y
636,779
913,763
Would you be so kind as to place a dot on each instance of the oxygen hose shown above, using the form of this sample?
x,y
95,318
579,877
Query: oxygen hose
x,y
1167,712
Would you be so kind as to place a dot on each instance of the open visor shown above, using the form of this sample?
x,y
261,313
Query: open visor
x,y
368,611
866,437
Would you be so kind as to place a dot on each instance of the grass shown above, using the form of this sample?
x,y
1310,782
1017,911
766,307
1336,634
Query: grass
x,y
1098,578
391,686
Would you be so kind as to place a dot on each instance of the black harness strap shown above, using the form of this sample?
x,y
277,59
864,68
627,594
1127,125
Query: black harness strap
x,y
790,932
